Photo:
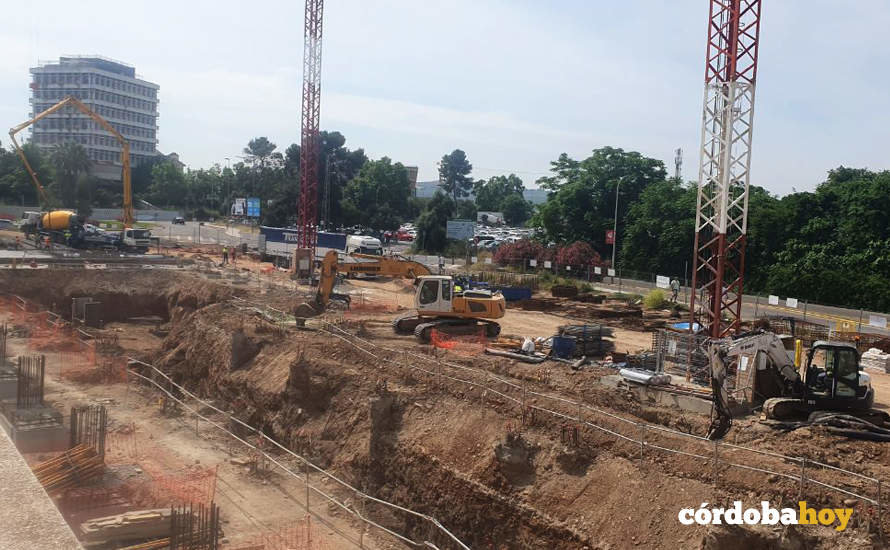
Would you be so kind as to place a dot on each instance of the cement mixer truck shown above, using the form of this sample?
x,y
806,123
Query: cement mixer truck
x,y
67,228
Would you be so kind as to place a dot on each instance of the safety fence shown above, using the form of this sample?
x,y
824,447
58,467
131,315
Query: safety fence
x,y
730,466
298,535
79,355
356,505
462,344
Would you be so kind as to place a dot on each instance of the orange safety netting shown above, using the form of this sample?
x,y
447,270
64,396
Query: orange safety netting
x,y
465,344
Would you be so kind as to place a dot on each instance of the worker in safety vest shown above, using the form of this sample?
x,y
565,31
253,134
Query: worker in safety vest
x,y
67,238
47,243
225,255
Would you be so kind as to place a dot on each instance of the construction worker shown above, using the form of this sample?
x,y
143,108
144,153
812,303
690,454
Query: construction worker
x,y
675,289
18,242
47,243
67,238
233,254
225,255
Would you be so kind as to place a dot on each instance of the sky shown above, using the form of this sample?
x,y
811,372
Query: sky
x,y
514,83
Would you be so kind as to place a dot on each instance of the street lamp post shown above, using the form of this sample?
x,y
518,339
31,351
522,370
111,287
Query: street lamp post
x,y
228,183
615,226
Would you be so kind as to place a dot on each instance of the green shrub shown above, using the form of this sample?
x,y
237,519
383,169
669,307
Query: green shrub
x,y
656,299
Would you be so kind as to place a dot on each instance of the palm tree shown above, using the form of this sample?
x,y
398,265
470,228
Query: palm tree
x,y
70,161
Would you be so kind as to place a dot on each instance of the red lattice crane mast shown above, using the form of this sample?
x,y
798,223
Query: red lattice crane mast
x,y
727,124
309,139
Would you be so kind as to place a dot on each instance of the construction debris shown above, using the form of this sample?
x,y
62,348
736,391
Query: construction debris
x,y
131,526
876,360
72,468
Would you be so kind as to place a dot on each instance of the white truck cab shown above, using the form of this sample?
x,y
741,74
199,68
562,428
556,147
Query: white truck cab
x,y
136,239
363,244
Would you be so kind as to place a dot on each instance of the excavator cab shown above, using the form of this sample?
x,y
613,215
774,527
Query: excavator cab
x,y
833,376
434,293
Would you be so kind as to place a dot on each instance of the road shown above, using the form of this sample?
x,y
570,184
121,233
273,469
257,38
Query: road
x,y
757,306
196,233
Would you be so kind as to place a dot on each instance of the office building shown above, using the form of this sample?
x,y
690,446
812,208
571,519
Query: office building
x,y
113,91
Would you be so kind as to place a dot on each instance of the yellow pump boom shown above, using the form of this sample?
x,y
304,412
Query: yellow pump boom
x,y
128,216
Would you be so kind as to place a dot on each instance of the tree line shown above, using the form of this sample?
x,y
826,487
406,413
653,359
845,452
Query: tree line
x,y
354,191
828,245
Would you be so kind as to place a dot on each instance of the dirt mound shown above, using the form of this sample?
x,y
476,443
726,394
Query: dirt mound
x,y
123,293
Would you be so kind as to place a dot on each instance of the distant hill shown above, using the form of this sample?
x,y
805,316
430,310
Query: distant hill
x,y
426,190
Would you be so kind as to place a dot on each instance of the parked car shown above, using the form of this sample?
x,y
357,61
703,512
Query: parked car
x,y
178,220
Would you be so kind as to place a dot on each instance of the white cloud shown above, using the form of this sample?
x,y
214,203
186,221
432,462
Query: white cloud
x,y
514,83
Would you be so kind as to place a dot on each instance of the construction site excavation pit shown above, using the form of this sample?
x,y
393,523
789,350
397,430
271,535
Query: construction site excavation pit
x,y
359,437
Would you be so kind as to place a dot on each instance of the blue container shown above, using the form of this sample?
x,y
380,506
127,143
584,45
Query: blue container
x,y
514,293
563,346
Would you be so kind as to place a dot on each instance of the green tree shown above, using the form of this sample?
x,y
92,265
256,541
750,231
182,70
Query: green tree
x,y
70,160
516,209
454,172
581,202
490,195
259,152
140,176
86,186
378,197
433,222
466,210
337,167
660,229
16,185
168,186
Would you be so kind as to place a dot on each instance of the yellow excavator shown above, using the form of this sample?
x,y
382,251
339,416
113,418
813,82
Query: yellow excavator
x,y
138,239
354,264
439,302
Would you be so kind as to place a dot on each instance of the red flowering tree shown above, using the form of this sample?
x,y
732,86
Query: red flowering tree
x,y
520,250
578,253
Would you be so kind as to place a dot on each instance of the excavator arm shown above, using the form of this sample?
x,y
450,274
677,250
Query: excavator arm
x,y
128,217
722,352
331,266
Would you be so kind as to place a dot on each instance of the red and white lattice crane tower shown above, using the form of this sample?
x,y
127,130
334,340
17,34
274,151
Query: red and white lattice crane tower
x,y
727,125
309,145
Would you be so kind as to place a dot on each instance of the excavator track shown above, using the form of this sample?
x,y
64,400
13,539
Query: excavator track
x,y
782,408
423,332
406,323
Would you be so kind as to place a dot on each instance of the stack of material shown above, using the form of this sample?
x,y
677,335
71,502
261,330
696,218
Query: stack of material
x,y
643,361
876,360
132,526
590,340
563,291
72,468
